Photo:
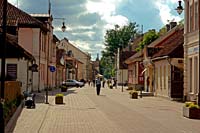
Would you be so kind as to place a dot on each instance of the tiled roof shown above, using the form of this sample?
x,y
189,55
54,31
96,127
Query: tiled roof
x,y
18,17
172,46
123,56
133,58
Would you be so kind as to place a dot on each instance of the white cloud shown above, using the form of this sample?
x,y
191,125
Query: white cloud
x,y
81,45
14,2
107,10
88,33
165,7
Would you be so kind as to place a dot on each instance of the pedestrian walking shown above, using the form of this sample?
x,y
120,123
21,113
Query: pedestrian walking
x,y
98,85
93,82
148,83
103,84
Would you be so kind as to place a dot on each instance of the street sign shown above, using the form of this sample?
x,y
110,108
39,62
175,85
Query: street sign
x,y
52,68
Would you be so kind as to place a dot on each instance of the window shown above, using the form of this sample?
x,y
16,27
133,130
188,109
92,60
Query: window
x,y
11,72
196,16
190,74
191,19
134,70
164,77
161,77
156,77
195,74
188,16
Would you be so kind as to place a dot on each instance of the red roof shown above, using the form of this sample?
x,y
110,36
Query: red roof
x,y
18,17
123,56
172,46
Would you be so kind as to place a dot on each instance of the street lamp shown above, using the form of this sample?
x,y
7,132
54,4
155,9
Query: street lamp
x,y
63,28
179,9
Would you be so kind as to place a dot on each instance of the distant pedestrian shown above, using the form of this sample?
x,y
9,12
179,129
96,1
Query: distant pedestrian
x,y
98,85
103,83
115,83
148,83
93,82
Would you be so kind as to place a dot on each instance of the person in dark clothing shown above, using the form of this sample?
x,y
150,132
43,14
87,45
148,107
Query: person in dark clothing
x,y
148,81
103,83
93,82
98,85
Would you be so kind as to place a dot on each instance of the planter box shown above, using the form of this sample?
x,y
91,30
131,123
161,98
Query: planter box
x,y
192,113
59,100
134,96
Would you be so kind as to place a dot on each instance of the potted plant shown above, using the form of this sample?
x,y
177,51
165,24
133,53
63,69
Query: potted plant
x,y
134,94
59,99
191,110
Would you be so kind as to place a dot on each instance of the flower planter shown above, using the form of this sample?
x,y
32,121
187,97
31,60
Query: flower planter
x,y
59,100
192,113
134,95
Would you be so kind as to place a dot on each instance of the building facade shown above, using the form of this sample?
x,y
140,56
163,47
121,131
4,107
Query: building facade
x,y
191,50
78,58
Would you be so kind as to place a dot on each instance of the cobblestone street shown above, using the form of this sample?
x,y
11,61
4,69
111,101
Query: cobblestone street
x,y
111,112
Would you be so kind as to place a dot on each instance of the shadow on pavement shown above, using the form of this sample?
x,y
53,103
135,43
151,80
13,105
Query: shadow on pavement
x,y
40,97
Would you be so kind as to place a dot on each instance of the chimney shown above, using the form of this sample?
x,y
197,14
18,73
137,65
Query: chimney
x,y
172,25
168,27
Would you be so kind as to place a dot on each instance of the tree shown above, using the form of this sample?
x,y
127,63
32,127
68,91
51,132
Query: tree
x,y
148,38
115,38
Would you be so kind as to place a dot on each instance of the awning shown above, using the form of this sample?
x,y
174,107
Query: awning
x,y
99,75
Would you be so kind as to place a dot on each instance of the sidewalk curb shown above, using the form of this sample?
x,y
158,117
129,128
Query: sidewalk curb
x,y
11,124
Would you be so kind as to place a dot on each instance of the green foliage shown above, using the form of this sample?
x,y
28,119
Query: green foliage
x,y
194,106
162,31
187,104
181,23
115,38
191,105
59,95
148,38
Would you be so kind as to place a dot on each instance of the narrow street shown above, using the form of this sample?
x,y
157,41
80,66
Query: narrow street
x,y
111,112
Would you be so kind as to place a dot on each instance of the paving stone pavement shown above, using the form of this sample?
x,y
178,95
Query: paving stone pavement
x,y
111,112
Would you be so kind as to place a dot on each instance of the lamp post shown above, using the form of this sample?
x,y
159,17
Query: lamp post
x,y
3,62
179,9
49,25
63,28
121,55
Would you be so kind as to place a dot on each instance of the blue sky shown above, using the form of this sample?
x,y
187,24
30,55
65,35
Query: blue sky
x,y
87,20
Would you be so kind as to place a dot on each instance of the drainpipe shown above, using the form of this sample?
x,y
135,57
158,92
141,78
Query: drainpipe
x,y
27,76
39,63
